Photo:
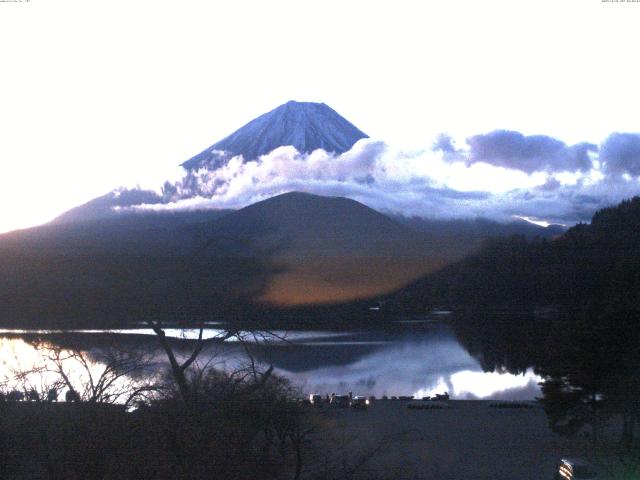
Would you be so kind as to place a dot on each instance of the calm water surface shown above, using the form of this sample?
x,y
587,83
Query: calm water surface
x,y
417,359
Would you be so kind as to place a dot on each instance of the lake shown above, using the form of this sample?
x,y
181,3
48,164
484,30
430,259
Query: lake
x,y
418,357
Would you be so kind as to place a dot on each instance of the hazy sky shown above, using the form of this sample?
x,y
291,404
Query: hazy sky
x,y
99,94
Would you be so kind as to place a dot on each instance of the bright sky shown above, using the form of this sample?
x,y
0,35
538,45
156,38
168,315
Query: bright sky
x,y
95,95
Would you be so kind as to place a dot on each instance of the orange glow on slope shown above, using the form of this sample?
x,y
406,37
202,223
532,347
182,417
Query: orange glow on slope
x,y
334,280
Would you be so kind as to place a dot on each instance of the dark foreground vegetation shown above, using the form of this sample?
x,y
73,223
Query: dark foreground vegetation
x,y
235,429
162,413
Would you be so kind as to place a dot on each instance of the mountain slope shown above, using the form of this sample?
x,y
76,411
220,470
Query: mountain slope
x,y
107,205
589,265
329,249
306,126
306,224
480,228
291,250
469,235
121,271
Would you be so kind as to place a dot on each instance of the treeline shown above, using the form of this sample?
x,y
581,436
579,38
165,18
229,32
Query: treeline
x,y
598,262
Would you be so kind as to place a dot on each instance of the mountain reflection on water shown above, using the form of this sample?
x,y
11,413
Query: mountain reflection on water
x,y
419,360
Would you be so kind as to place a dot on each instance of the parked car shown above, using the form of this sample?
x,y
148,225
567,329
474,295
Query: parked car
x,y
315,399
359,403
575,469
339,401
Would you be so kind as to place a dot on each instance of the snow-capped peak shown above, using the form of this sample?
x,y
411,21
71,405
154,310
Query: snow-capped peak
x,y
306,126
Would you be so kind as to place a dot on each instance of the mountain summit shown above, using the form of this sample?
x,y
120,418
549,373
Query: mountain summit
x,y
305,125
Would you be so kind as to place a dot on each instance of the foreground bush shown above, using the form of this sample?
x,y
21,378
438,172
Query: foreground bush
x,y
236,430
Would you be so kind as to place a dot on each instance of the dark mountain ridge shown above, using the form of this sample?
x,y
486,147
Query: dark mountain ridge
x,y
292,249
311,224
141,234
108,205
469,234
328,249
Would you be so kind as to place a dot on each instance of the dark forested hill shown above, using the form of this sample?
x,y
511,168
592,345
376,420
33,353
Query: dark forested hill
x,y
589,263
330,249
296,250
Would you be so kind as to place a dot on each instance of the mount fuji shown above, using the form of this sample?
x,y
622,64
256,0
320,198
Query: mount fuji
x,y
306,126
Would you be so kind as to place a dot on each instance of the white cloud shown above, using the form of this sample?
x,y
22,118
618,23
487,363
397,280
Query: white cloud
x,y
419,183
